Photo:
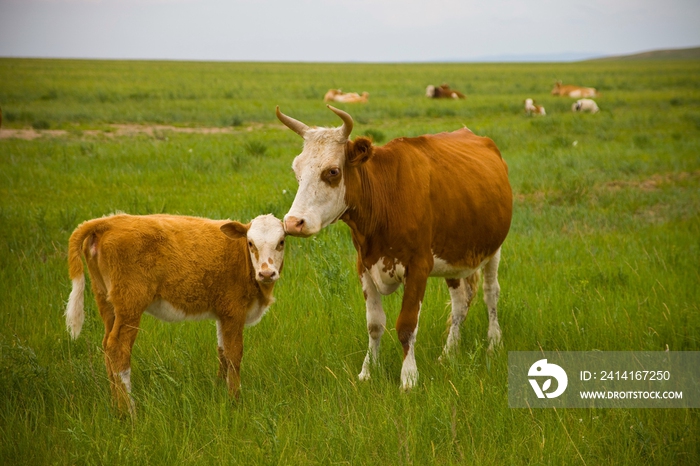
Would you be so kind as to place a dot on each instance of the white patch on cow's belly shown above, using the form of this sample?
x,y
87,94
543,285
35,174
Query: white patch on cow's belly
x,y
441,268
387,275
163,310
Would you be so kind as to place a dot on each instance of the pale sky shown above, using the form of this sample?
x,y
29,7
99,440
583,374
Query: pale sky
x,y
344,30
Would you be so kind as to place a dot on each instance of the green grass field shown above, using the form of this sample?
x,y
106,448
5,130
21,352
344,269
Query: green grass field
x,y
603,254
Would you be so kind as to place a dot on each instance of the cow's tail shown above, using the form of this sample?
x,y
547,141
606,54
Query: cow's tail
x,y
75,311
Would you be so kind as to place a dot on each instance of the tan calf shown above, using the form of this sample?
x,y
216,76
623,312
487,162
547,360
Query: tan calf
x,y
568,90
174,268
336,95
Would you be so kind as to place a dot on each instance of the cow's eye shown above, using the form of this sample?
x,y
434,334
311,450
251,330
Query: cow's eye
x,y
331,176
250,244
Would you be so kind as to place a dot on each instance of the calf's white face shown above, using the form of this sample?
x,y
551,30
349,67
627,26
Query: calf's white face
x,y
320,199
265,236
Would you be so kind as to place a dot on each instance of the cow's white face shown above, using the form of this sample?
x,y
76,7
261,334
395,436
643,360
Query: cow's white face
x,y
320,199
265,236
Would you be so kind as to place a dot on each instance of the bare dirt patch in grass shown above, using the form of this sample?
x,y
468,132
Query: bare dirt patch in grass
x,y
534,197
29,134
120,130
653,183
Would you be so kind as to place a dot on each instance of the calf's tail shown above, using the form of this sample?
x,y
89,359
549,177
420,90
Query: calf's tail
x,y
75,311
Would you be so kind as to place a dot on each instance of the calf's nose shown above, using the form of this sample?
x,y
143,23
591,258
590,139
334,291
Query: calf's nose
x,y
267,274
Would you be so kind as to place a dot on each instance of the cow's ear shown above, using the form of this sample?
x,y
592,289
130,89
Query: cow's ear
x,y
359,151
235,229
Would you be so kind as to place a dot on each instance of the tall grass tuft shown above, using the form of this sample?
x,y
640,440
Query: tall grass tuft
x,y
255,148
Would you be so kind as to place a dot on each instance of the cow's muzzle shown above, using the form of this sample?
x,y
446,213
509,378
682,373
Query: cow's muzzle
x,y
296,226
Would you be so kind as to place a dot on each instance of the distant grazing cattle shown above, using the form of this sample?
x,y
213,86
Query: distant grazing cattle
x,y
573,91
336,95
585,105
436,205
174,268
532,109
330,95
442,92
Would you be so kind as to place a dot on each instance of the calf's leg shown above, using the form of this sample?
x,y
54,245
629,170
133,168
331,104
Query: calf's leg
x,y
107,314
223,366
231,331
118,359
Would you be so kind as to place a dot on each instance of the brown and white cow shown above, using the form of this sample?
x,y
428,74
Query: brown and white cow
x,y
442,91
175,268
568,90
435,205
585,105
531,108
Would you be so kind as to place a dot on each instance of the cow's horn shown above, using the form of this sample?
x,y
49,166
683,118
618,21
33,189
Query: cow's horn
x,y
295,125
347,120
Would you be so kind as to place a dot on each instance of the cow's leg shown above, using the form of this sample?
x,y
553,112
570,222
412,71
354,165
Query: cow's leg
x,y
491,293
407,323
231,330
376,323
462,292
118,358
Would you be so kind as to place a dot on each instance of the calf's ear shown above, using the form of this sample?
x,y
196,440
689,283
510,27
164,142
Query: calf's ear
x,y
235,229
359,151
